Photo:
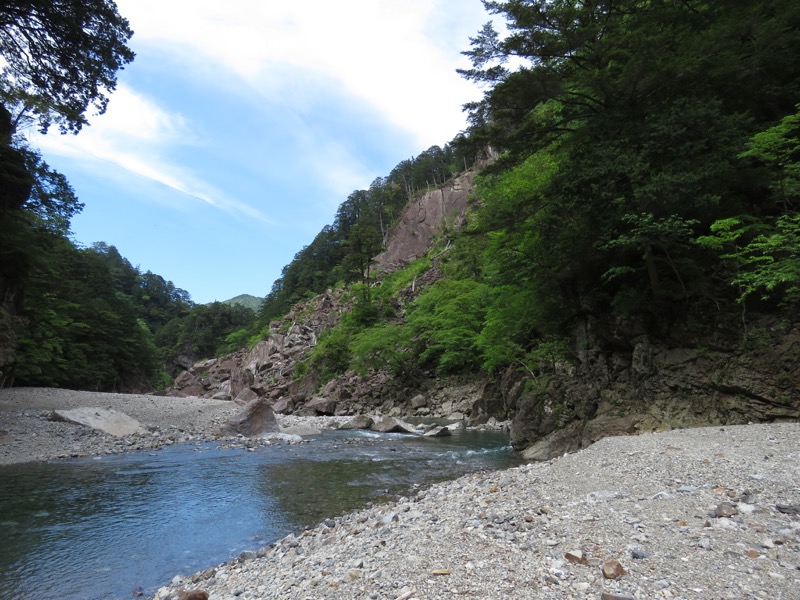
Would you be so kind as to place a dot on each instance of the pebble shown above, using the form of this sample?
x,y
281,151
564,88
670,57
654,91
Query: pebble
x,y
487,536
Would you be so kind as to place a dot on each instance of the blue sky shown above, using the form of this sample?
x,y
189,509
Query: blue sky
x,y
241,126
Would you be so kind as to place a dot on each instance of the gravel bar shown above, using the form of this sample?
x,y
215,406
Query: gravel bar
x,y
684,514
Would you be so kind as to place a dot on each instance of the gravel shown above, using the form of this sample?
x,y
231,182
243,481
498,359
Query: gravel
x,y
27,434
685,514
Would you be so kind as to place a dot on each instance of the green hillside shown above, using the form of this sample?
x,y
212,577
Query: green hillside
x,y
246,300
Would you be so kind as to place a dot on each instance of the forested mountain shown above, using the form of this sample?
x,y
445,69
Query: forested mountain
x,y
648,184
252,302
342,251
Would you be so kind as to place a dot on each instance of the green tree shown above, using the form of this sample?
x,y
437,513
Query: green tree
x,y
60,58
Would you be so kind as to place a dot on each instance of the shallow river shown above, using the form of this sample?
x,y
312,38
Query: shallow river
x,y
117,526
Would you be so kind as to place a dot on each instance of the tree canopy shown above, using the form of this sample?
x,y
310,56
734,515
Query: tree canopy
x,y
61,57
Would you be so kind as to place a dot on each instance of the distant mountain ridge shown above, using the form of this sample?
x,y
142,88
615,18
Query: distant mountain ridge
x,y
246,300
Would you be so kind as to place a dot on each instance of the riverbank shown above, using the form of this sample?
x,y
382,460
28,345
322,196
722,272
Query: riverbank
x,y
28,435
698,513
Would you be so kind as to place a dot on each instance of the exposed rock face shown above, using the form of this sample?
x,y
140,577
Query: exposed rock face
x,y
267,368
654,387
422,220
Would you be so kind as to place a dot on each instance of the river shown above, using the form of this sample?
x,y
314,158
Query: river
x,y
120,526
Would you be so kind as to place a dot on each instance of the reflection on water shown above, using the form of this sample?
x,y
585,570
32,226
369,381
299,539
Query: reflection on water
x,y
105,528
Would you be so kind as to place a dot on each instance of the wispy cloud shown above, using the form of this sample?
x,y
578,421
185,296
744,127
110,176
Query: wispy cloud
x,y
385,53
138,136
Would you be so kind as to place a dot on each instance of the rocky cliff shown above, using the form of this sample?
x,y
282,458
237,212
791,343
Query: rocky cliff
x,y
614,383
653,385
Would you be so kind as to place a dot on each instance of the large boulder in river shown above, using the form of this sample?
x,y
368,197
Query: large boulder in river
x,y
439,431
359,422
104,419
394,425
256,418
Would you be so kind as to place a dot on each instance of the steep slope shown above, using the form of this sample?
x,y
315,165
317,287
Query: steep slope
x,y
616,382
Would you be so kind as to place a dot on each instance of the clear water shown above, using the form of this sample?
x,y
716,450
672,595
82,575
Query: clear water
x,y
116,526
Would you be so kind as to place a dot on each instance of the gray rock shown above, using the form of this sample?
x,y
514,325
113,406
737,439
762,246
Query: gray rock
x,y
360,422
256,418
245,396
321,406
394,425
103,419
441,431
419,401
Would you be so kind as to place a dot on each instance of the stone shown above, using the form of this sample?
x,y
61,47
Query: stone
x,y
359,422
321,405
575,556
185,379
419,401
393,425
245,396
441,431
256,418
612,569
639,554
614,596
224,391
192,595
788,509
283,406
108,420
725,509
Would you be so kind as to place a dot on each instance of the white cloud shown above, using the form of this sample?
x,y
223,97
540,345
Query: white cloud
x,y
394,58
385,52
137,135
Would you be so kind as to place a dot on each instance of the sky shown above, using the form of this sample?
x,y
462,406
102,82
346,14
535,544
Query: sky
x,y
241,126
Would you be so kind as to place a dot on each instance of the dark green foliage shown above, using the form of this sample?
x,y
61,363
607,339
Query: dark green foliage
x,y
645,111
80,332
252,302
342,252
61,58
207,330
445,323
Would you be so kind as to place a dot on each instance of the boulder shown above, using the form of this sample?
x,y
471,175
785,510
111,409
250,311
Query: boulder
x,y
359,422
256,418
284,405
245,397
321,405
419,401
185,379
394,425
104,419
440,431
224,392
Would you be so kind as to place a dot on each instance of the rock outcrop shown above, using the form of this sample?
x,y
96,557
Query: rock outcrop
x,y
265,370
618,382
424,219
655,386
